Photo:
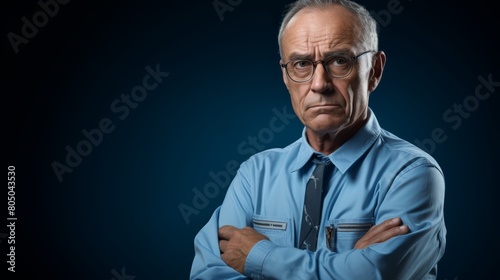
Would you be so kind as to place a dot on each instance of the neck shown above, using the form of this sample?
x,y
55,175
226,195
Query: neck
x,y
329,142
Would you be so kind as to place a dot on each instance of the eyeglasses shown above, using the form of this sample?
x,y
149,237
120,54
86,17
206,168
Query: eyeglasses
x,y
337,66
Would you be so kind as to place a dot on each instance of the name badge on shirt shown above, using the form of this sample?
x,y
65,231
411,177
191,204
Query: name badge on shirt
x,y
269,224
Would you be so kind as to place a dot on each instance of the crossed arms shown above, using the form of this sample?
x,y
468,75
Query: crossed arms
x,y
407,247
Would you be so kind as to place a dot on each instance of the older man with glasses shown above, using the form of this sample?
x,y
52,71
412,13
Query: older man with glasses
x,y
348,200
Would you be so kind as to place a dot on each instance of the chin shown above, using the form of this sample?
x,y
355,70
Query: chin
x,y
326,122
324,127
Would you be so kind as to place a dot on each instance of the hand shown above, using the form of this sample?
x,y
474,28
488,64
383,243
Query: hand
x,y
235,244
382,232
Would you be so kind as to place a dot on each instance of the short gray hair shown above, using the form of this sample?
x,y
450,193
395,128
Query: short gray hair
x,y
366,21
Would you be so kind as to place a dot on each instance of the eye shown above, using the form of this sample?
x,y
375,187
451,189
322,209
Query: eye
x,y
302,64
338,61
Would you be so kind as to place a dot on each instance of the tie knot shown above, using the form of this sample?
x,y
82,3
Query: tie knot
x,y
320,159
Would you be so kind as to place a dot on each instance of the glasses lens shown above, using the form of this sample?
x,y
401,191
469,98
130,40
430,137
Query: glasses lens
x,y
339,66
300,70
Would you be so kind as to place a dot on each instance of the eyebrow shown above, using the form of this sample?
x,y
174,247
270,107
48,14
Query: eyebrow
x,y
299,56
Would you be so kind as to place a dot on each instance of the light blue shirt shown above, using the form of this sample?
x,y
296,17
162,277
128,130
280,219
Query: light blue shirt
x,y
376,176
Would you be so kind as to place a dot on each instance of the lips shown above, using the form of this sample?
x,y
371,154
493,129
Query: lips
x,y
323,106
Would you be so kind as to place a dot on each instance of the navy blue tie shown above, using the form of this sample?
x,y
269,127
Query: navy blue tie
x,y
311,215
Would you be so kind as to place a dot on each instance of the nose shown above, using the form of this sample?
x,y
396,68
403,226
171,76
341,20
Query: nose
x,y
321,82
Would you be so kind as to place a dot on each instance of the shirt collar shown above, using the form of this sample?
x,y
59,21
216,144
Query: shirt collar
x,y
345,156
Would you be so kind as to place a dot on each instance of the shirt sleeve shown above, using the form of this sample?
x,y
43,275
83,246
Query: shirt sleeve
x,y
416,195
236,210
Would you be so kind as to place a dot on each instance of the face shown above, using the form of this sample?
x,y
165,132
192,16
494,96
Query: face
x,y
325,104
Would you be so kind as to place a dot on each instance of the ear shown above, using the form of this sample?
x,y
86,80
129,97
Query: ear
x,y
283,72
376,71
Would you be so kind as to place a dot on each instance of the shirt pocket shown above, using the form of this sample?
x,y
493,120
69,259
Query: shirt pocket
x,y
344,233
278,230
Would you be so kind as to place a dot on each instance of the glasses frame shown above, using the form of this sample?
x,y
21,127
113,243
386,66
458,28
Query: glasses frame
x,y
315,63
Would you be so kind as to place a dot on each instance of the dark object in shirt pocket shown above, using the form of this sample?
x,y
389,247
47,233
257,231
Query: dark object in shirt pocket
x,y
342,234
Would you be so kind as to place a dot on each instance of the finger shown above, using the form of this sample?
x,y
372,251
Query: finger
x,y
382,232
389,223
366,241
225,232
378,237
386,225
223,246
389,233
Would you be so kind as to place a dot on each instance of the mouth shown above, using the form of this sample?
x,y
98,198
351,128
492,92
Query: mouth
x,y
324,106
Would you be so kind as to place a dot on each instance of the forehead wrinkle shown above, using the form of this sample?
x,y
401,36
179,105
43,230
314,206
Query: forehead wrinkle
x,y
315,44
311,31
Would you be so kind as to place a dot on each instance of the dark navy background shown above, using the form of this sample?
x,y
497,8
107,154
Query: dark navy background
x,y
117,214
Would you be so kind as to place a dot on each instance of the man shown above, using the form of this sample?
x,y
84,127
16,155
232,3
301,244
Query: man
x,y
269,225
